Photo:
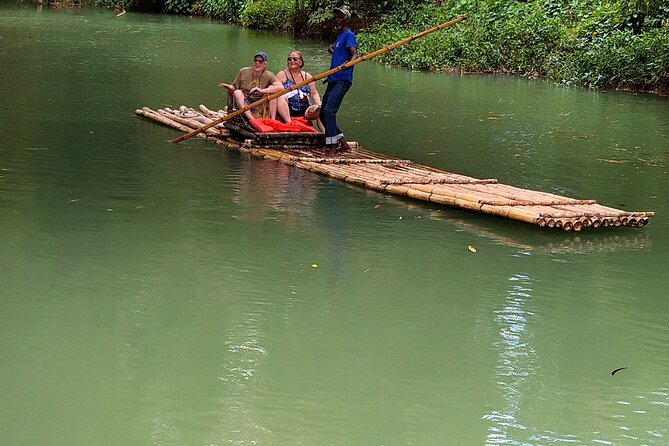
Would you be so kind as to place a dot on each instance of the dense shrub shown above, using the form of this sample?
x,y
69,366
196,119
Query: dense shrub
x,y
269,14
229,10
605,44
622,60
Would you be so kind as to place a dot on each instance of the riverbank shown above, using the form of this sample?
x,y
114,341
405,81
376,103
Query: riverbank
x,y
597,47
614,45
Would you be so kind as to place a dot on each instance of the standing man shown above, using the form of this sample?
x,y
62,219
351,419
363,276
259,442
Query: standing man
x,y
343,50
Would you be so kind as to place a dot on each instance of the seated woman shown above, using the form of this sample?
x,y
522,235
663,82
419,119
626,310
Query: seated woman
x,y
296,102
252,84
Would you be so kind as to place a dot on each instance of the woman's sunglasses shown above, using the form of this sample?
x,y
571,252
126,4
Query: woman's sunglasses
x,y
293,59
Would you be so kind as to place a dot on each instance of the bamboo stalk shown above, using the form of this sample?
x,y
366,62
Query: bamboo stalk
x,y
205,116
493,193
515,193
190,122
340,160
211,113
418,195
397,189
466,190
437,181
537,203
359,177
461,193
186,112
148,113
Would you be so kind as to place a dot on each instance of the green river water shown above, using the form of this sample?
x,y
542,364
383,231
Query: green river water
x,y
162,294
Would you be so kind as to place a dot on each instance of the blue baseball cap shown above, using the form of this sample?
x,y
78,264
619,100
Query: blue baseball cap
x,y
262,54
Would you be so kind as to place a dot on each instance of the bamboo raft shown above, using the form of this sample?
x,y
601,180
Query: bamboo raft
x,y
402,177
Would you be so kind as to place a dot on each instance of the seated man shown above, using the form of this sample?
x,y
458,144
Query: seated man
x,y
252,83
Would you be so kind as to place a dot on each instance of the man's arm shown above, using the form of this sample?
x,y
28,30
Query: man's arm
x,y
354,52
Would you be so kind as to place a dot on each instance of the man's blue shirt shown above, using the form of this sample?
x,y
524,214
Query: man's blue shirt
x,y
342,54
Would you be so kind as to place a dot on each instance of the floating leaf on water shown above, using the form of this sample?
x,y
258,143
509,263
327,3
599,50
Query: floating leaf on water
x,y
377,205
617,370
472,248
314,265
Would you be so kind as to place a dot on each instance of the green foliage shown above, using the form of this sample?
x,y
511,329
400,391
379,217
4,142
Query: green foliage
x,y
109,3
177,6
320,13
622,60
229,10
601,44
269,14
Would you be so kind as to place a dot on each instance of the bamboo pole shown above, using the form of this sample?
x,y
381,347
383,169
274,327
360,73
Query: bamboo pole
x,y
537,203
309,80
190,122
478,199
342,160
211,113
151,114
429,180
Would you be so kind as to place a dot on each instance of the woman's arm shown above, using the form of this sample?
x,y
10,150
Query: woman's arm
x,y
314,91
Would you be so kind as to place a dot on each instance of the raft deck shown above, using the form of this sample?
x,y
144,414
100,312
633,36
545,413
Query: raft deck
x,y
403,177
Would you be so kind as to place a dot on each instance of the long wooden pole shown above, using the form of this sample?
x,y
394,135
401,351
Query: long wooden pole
x,y
320,76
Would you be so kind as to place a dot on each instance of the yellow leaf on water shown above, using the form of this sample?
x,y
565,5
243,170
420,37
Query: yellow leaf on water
x,y
471,248
314,265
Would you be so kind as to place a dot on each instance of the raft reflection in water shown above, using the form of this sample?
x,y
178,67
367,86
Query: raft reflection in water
x,y
274,191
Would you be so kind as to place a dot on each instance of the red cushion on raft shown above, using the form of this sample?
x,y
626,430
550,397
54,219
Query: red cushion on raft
x,y
273,125
260,125
302,124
